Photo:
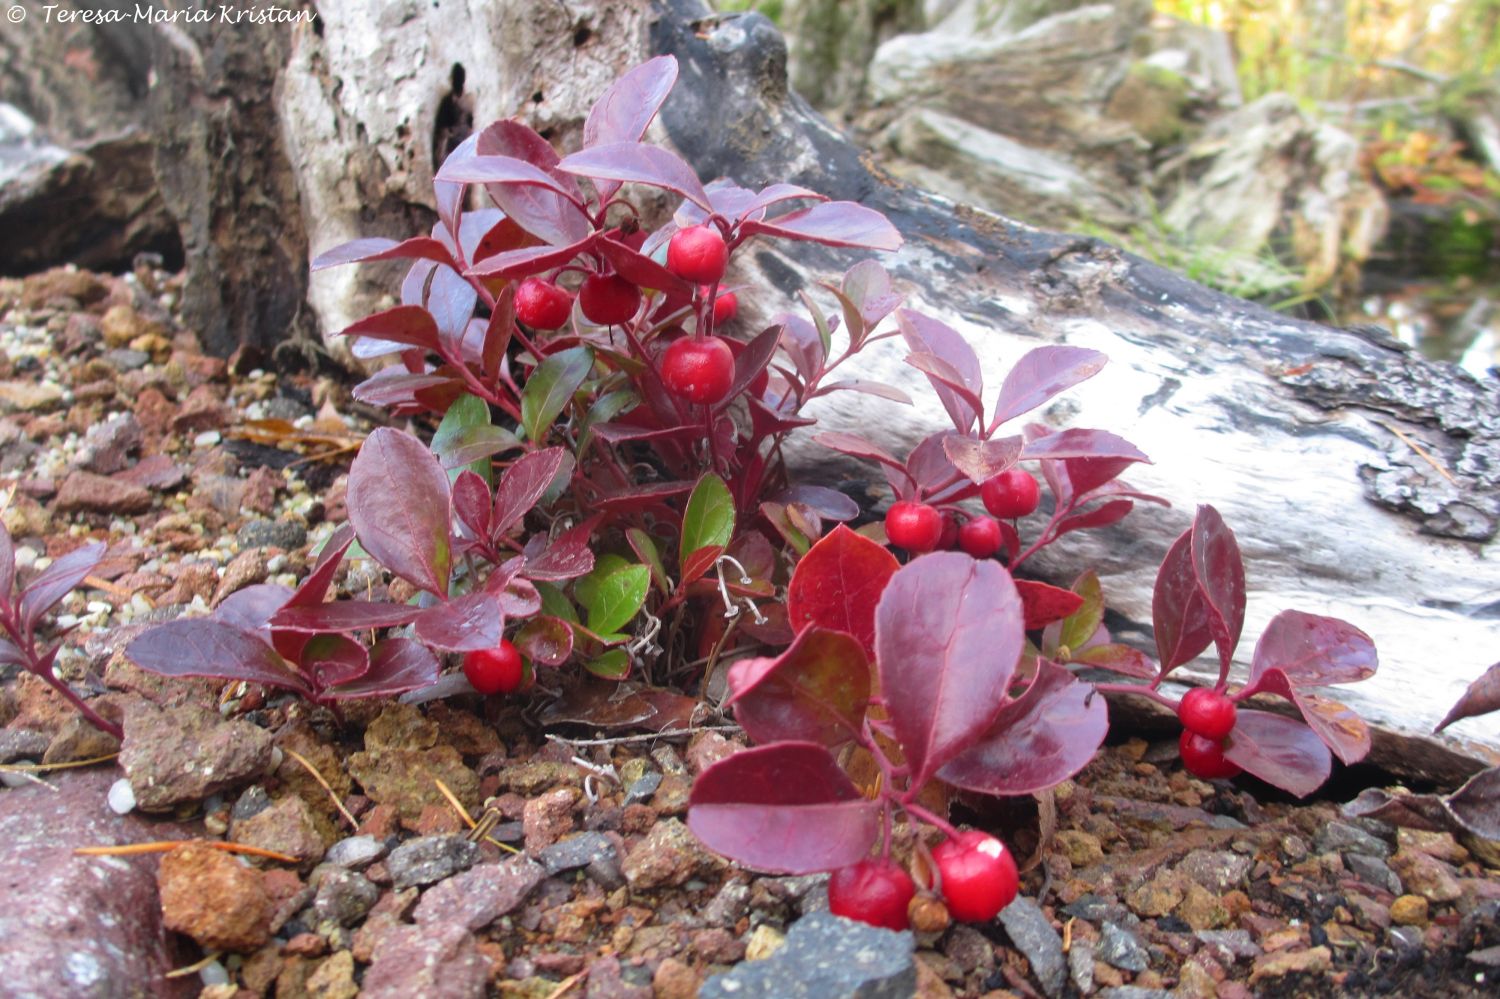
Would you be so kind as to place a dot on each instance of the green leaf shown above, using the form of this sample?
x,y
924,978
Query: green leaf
x,y
1080,626
820,321
612,665
604,409
550,388
466,438
586,588
645,549
555,602
616,599
709,518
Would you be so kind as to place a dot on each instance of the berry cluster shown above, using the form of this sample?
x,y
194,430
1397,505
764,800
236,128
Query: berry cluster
x,y
976,877
1207,718
920,527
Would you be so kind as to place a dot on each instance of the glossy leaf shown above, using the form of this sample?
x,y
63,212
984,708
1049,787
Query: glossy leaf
x,y
837,583
857,447
926,335
518,597
815,691
396,666
612,664
465,422
379,248
832,223
981,460
638,163
548,212
784,808
522,486
528,260
1179,615
615,598
472,503
328,660
829,504
567,557
1221,581
314,587
251,608
877,389
627,107
399,506
1080,625
750,362
411,325
206,647
57,581
947,639
940,372
1039,375
1339,727
545,639
551,387
1280,751
496,169
1481,697
1078,443
469,622
650,556
343,615
1037,741
1102,515
1043,603
1313,650
708,519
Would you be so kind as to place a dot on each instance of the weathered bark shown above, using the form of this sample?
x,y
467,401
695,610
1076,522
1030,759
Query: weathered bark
x,y
1305,438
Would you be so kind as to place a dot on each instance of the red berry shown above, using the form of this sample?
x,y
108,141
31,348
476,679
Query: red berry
x,y
697,254
726,307
608,299
980,536
495,671
979,875
1204,757
914,526
872,891
948,540
698,369
1011,493
1207,713
542,305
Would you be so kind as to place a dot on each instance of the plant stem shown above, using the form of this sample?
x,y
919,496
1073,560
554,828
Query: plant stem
x,y
916,811
1134,688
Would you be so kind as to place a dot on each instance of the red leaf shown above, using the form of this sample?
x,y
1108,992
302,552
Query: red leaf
x,y
637,268
1044,603
545,639
1077,443
940,372
837,583
751,360
1178,613
832,223
622,113
7,566
379,248
470,622
1118,658
522,485
329,660
1482,697
1037,741
784,808
411,325
1280,751
1041,374
528,260
252,607
567,557
55,582
471,503
396,666
947,639
815,691
399,505
206,647
857,447
1221,581
638,163
546,211
1100,516
343,615
314,588
1338,726
981,460
923,334
1313,650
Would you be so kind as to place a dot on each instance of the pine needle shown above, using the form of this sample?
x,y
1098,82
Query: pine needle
x,y
307,765
168,845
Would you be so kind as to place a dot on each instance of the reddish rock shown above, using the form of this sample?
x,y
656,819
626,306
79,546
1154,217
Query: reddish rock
x,y
480,895
214,898
243,570
183,753
708,748
548,818
156,472
435,962
154,411
76,926
87,492
286,827
669,855
83,287
203,409
107,446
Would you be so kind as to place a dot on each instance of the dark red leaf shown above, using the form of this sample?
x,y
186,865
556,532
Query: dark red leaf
x,y
343,615
379,248
637,268
497,169
451,300
471,503
518,597
1221,581
1100,516
1340,728
947,639
57,581
251,608
450,196
773,194
699,562
981,460
1037,741
528,260
752,360
828,503
10,655
857,447
206,647
1041,374
837,583
649,494
469,622
390,387
549,212
522,485
568,557
1313,650
1043,603
1280,751
411,325
1481,697
399,505
878,389
926,335
622,113
314,588
1178,613
328,660
1078,443
545,639
7,566
815,691
1117,658
638,163
1476,805
832,223
396,666
785,808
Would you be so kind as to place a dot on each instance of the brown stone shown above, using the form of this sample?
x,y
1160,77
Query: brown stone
x,y
1313,961
85,491
1409,910
214,898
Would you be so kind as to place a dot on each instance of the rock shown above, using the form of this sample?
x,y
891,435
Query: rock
x,y
108,445
1158,896
1373,871
435,961
29,396
427,859
675,980
343,897
403,778
669,855
355,852
287,826
1033,935
707,748
582,850
1119,947
826,957
1082,849
1344,837
288,535
1440,845
1217,870
1427,876
82,286
183,753
1409,910
547,818
87,492
333,978
78,739
77,926
1238,944
202,411
1201,909
156,472
244,569
214,898
1313,961
480,895
728,906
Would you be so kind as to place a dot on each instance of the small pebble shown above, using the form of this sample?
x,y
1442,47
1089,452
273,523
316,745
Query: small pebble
x,y
122,799
213,973
207,439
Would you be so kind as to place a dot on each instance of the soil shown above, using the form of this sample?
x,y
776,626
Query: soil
x,y
205,476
